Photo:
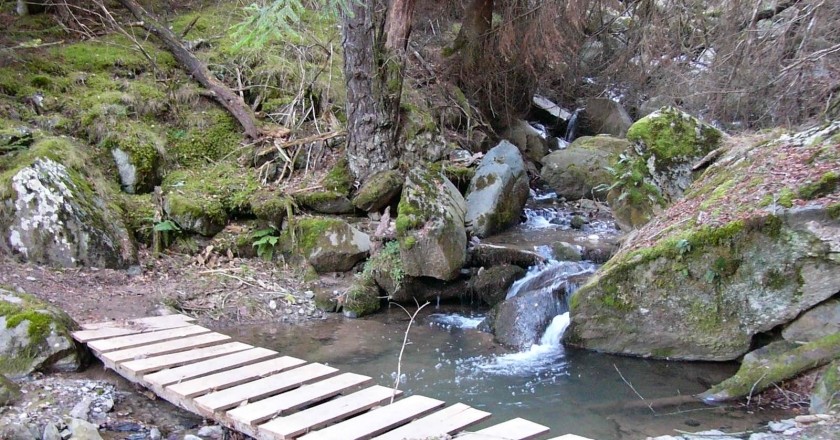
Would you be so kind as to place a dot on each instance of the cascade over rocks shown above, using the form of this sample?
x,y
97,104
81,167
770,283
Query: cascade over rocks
x,y
430,226
520,321
498,191
35,336
726,262
575,172
54,212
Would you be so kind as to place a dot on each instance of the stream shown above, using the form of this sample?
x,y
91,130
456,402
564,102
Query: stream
x,y
572,391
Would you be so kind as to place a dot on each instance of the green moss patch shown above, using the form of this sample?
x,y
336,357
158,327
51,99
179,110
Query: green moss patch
x,y
209,136
222,188
670,134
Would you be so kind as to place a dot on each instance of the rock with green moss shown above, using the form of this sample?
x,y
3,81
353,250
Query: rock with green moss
x,y
325,202
379,191
575,173
271,207
817,322
703,278
328,244
139,216
492,284
56,209
430,226
362,298
35,336
825,396
138,152
200,200
387,270
670,142
498,191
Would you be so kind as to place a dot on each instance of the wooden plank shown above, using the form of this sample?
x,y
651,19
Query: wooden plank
x,y
209,366
142,324
377,421
165,347
136,340
262,410
439,424
142,366
230,378
163,323
515,429
291,426
267,386
570,437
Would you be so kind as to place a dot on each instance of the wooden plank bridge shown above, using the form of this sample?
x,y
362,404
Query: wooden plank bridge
x,y
265,395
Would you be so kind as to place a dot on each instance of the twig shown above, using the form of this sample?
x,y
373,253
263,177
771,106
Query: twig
x,y
633,388
749,396
405,342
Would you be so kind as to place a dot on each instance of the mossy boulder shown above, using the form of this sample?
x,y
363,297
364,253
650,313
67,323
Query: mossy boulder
x,y
362,298
824,395
325,202
328,244
200,200
271,206
56,209
35,336
817,322
430,226
138,153
379,191
575,173
708,274
670,142
491,285
387,270
497,192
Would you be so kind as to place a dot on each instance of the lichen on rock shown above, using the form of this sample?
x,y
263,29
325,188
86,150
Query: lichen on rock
x,y
498,191
328,244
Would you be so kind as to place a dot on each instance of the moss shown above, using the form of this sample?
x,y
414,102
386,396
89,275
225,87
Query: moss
x,y
212,137
309,231
39,324
139,215
670,134
378,188
827,184
834,211
775,279
786,197
272,207
339,179
214,190
388,263
362,298
143,145
58,149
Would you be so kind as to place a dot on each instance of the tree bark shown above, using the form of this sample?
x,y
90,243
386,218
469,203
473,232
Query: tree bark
x,y
232,102
476,26
371,144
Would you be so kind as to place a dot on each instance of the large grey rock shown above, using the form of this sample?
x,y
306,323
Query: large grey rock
x,y
527,139
820,321
824,395
51,214
498,191
520,321
575,172
83,430
430,226
35,336
487,255
328,244
701,280
605,116
379,191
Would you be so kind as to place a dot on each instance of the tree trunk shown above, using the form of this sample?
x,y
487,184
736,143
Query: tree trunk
x,y
199,71
371,141
476,26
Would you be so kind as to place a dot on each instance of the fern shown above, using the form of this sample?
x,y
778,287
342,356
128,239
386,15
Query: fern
x,y
274,20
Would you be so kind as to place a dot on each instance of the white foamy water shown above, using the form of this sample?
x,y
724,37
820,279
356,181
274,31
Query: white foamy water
x,y
550,276
454,320
545,356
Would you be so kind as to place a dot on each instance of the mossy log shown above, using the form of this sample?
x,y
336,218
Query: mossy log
x,y
232,102
755,377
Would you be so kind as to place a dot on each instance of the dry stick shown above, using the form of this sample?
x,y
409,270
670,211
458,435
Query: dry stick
x,y
634,389
405,342
749,396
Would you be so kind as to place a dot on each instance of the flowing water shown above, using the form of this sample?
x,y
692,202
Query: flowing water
x,y
569,390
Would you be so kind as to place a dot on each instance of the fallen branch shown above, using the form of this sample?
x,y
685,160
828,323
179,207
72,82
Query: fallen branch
x,y
633,388
405,342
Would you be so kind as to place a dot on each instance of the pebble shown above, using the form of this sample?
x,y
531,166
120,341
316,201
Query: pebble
x,y
213,432
792,431
309,294
272,305
154,434
781,426
191,437
808,419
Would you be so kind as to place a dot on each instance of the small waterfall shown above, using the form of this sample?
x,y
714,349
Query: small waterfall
x,y
571,127
554,333
549,276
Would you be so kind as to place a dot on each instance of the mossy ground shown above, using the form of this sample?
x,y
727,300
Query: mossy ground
x,y
219,190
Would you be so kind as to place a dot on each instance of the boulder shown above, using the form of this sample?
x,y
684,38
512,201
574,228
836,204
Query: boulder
x,y
55,210
699,281
498,191
9,391
362,298
519,322
487,255
271,207
430,226
379,191
530,141
564,251
35,336
605,116
491,285
83,430
820,321
824,395
328,244
138,151
576,172
326,202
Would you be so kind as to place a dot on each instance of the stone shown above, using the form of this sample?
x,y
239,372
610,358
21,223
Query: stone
x,y
430,226
825,396
817,322
487,255
498,191
491,285
550,112
782,425
271,207
763,354
35,336
213,432
564,251
51,214
701,280
519,322
14,431
379,191
527,139
83,430
362,298
154,434
577,222
605,116
326,202
82,408
51,432
328,244
577,171
9,392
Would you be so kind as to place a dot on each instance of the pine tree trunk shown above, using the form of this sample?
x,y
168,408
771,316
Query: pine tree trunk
x,y
371,125
476,26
